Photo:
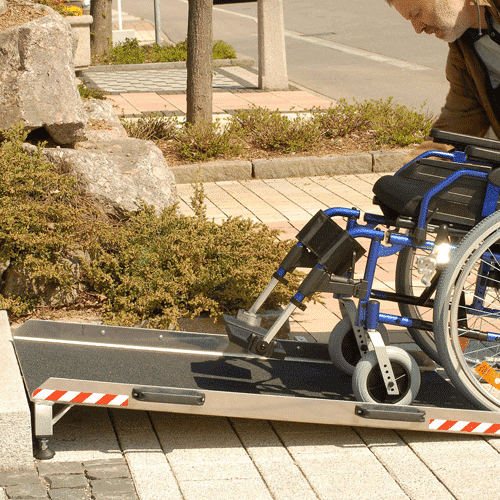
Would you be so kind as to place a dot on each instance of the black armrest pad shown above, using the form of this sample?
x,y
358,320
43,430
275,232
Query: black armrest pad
x,y
479,154
460,141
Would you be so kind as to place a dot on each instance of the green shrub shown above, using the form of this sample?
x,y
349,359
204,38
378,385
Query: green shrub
x,y
376,123
164,267
203,141
152,127
344,119
388,124
130,52
89,92
223,50
273,131
44,219
149,266
396,125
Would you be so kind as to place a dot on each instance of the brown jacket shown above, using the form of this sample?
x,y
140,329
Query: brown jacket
x,y
467,109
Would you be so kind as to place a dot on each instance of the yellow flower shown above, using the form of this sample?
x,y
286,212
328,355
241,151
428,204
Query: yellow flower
x,y
73,11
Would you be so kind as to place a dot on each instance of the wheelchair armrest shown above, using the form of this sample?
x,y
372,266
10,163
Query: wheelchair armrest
x,y
494,177
460,141
483,155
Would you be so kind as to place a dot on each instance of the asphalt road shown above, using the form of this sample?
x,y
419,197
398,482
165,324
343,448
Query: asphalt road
x,y
333,48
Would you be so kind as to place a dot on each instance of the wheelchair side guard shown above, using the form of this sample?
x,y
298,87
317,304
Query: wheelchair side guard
x,y
420,231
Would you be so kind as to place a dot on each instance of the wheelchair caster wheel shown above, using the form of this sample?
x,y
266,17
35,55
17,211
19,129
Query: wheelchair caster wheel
x,y
368,384
343,348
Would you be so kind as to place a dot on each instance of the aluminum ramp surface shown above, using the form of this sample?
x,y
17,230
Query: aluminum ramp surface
x,y
204,374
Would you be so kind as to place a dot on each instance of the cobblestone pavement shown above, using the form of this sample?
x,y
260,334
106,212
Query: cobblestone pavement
x,y
157,80
96,479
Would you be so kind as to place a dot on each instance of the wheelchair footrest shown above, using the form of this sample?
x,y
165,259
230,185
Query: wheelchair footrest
x,y
335,248
251,338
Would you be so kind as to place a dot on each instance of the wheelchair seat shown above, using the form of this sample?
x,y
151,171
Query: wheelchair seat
x,y
400,196
460,206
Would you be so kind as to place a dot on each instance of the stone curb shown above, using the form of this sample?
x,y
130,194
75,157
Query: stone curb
x,y
305,166
239,61
16,448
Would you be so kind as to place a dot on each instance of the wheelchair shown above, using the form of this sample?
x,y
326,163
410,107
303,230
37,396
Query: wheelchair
x,y
440,215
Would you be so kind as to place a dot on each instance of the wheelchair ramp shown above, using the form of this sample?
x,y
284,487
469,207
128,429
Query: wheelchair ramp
x,y
156,370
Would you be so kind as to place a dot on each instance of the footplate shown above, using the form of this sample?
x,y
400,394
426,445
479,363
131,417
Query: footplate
x,y
250,338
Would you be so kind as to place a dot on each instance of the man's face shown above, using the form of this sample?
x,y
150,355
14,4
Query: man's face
x,y
446,19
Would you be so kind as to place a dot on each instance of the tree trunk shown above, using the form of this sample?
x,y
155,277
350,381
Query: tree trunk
x,y
199,61
101,30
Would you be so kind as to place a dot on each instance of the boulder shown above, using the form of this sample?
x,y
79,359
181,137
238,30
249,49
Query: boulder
x,y
102,126
119,174
37,78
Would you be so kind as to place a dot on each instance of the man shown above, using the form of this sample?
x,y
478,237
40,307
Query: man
x,y
472,29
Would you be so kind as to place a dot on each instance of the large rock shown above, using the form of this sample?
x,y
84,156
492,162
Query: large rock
x,y
37,78
120,173
103,125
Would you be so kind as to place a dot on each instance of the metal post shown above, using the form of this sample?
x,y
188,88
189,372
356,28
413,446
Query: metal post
x,y
157,22
120,24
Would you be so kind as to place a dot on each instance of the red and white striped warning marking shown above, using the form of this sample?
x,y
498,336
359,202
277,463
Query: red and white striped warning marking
x,y
462,426
80,397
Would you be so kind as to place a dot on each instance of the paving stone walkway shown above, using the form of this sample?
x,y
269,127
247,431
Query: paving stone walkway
x,y
94,479
166,81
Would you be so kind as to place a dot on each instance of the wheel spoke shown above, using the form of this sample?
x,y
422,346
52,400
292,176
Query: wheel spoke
x,y
467,303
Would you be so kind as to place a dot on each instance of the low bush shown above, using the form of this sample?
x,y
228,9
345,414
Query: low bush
x,y
161,268
204,141
385,122
152,127
130,52
368,125
273,131
148,267
89,92
44,219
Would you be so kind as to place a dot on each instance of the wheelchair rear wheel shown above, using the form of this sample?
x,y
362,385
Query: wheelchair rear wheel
x,y
467,315
409,282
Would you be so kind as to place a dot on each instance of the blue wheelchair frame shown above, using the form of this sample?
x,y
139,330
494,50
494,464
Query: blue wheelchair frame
x,y
371,316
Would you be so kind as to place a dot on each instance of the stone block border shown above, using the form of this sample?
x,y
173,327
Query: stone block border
x,y
16,448
305,166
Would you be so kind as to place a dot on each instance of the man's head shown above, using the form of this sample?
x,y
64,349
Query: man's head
x,y
446,19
